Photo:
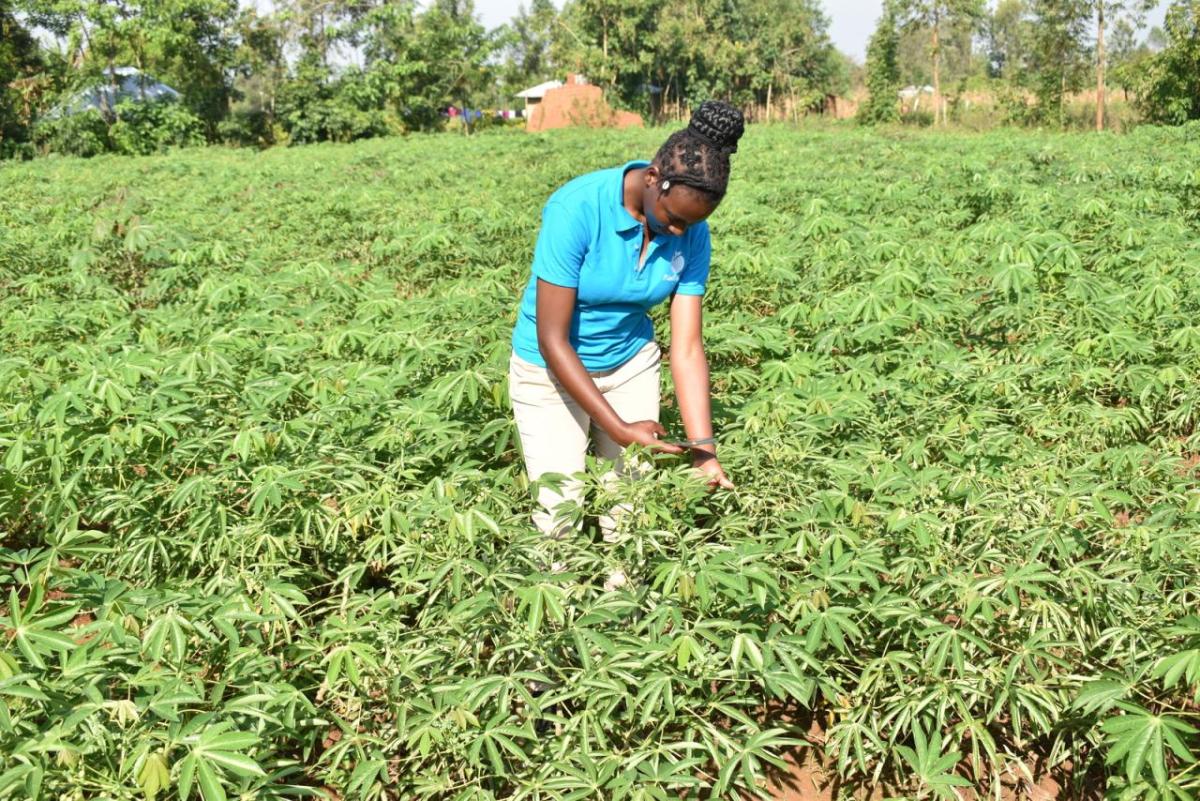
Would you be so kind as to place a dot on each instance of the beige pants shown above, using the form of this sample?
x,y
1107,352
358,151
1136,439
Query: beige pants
x,y
554,429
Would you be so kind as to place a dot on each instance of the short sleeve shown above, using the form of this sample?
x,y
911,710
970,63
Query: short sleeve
x,y
695,273
561,245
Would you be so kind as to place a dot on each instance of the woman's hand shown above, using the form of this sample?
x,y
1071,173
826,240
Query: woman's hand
x,y
711,471
647,433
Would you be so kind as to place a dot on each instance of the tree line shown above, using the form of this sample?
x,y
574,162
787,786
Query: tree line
x,y
313,70
316,70
1034,55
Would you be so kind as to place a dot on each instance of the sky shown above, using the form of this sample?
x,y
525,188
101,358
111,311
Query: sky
x,y
851,21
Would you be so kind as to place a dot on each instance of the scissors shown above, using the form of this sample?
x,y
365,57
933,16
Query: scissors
x,y
691,443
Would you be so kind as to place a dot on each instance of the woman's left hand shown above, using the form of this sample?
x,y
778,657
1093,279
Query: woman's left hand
x,y
712,472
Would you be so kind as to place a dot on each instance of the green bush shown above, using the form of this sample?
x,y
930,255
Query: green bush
x,y
922,118
1170,80
314,107
84,134
145,128
140,129
249,128
1014,104
334,121
12,149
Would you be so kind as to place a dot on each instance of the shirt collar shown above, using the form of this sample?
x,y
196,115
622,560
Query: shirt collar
x,y
622,219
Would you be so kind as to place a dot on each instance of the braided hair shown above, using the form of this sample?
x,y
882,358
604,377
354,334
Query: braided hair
x,y
698,156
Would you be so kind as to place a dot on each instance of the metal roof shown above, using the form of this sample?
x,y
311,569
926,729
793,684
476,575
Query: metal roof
x,y
131,84
540,90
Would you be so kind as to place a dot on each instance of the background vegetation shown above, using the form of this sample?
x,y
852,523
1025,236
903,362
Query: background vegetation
x,y
338,70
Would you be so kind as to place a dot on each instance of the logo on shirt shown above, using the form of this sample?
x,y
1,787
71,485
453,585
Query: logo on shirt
x,y
677,265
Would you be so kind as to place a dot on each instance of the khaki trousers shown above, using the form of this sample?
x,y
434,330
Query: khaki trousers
x,y
554,429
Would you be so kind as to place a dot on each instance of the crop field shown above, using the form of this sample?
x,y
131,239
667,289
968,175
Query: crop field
x,y
264,529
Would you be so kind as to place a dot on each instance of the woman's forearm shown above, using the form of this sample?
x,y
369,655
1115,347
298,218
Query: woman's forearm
x,y
689,370
564,363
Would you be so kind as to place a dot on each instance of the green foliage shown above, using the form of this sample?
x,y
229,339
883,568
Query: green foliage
x,y
256,78
188,44
956,22
316,107
19,58
526,42
82,134
931,767
248,128
1008,35
883,74
139,129
746,51
192,47
1169,81
1143,742
264,527
1059,56
420,64
154,127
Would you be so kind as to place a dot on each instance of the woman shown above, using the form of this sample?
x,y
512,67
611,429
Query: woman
x,y
613,244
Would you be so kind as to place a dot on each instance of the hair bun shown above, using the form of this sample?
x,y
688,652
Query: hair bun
x,y
719,123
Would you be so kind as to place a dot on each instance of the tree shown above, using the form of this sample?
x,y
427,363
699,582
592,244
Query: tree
x,y
1156,40
792,51
683,60
321,24
935,15
526,45
260,71
420,64
613,43
1105,10
189,44
19,58
95,35
1170,84
845,73
958,58
1007,37
748,52
1059,55
1060,47
1126,56
458,47
883,73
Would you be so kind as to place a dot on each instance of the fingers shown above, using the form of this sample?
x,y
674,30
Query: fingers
x,y
719,479
656,430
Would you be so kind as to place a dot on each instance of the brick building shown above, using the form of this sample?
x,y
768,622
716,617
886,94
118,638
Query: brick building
x,y
557,104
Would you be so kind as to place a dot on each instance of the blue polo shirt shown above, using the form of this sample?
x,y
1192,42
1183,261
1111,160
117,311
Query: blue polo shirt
x,y
590,242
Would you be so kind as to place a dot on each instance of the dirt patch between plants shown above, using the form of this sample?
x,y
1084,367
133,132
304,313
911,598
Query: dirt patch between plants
x,y
810,779
811,776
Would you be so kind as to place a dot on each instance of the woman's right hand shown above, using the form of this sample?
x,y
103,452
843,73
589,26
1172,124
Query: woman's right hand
x,y
647,433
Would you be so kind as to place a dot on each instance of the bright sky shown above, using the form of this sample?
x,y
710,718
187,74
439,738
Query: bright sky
x,y
851,21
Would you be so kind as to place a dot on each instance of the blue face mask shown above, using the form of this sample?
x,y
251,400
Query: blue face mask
x,y
655,224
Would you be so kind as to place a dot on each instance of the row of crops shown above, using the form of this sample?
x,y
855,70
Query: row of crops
x,y
264,529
